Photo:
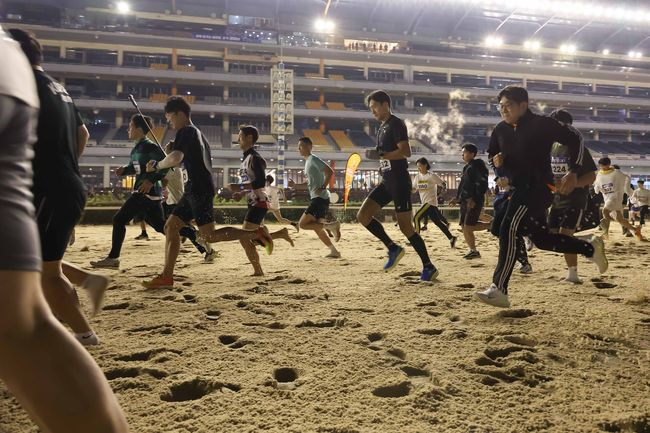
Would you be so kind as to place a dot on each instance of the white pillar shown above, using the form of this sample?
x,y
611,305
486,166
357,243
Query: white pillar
x,y
107,176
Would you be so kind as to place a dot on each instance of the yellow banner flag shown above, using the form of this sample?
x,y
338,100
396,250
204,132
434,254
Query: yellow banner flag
x,y
350,168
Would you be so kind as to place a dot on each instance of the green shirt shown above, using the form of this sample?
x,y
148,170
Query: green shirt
x,y
315,177
144,151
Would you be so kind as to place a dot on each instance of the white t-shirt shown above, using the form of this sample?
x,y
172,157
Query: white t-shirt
x,y
613,184
427,186
642,196
273,195
17,81
175,187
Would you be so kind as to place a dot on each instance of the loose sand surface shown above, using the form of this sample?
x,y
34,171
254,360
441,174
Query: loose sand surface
x,y
339,346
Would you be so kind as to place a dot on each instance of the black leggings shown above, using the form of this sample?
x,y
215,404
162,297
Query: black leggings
x,y
153,215
520,220
642,213
428,210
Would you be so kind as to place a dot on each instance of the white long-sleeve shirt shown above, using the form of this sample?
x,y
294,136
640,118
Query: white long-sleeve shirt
x,y
642,196
613,184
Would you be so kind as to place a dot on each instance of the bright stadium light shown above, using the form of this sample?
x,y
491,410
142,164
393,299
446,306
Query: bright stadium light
x,y
323,25
635,54
532,45
493,42
606,52
123,7
568,48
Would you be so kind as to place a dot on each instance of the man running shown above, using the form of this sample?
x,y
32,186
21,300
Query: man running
x,y
613,184
273,193
59,195
392,150
192,150
567,211
642,197
319,175
426,184
48,372
252,183
471,196
522,145
146,198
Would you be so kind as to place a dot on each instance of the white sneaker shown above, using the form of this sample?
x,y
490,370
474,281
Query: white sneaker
x,y
599,257
108,263
334,255
493,296
336,230
526,269
210,256
89,339
95,286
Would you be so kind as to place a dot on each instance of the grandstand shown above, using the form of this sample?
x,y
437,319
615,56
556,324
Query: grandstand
x,y
223,70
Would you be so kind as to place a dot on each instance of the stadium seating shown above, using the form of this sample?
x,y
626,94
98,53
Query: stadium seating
x,y
318,139
341,139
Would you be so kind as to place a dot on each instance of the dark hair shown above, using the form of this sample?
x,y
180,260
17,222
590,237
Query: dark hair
x,y
562,116
306,140
177,103
424,161
269,178
29,44
379,96
514,93
250,130
142,122
605,161
616,166
471,148
641,181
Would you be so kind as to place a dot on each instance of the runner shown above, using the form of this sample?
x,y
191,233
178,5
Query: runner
x,y
522,145
567,211
59,196
427,183
273,193
471,196
392,150
146,198
319,175
49,373
253,181
192,150
613,184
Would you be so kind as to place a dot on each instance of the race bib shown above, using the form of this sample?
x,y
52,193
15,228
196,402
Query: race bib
x,y
560,165
243,176
384,165
136,167
423,185
608,188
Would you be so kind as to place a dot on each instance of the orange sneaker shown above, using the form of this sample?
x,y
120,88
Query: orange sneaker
x,y
159,282
265,237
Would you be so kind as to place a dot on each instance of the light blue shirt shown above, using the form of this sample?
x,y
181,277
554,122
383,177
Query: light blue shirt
x,y
315,177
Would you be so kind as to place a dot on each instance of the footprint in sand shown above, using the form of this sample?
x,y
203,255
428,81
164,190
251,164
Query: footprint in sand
x,y
393,391
213,314
397,353
604,285
232,341
196,389
190,299
516,314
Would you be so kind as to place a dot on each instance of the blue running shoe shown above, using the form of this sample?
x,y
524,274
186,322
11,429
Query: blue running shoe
x,y
429,273
394,256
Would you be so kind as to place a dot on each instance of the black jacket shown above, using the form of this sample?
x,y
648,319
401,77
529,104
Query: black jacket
x,y
474,182
527,147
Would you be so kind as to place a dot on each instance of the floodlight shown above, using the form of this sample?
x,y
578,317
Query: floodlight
x,y
123,7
